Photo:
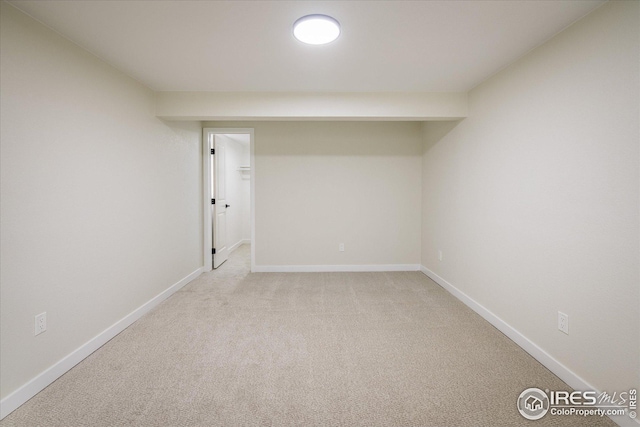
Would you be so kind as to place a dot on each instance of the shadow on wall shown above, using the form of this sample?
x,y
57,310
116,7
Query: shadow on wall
x,y
433,132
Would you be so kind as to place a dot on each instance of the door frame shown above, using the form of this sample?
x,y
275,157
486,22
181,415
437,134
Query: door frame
x,y
207,169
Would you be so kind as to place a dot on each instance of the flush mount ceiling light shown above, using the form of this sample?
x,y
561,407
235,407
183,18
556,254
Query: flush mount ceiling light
x,y
316,29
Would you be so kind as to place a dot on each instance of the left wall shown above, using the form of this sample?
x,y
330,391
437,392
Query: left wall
x,y
101,201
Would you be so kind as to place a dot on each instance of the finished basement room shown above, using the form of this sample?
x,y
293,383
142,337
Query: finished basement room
x,y
319,213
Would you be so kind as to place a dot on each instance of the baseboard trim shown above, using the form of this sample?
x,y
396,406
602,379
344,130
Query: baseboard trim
x,y
564,373
238,244
334,268
41,381
235,246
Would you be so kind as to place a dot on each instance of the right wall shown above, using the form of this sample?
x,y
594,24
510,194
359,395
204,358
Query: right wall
x,y
531,204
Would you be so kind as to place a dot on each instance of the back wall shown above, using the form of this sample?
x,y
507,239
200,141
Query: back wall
x,y
319,184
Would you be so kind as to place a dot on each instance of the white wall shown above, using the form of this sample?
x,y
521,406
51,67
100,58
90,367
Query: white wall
x,y
310,106
534,199
101,201
319,184
245,191
238,189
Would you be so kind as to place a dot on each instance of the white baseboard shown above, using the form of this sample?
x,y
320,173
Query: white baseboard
x,y
40,382
238,244
564,373
334,268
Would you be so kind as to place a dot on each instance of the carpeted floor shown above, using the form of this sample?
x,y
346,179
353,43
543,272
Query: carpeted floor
x,y
304,349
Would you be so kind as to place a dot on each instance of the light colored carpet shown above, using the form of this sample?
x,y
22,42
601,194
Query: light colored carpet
x,y
307,349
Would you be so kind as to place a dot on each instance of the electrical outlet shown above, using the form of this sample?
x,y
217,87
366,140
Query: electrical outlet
x,y
341,247
563,322
41,323
439,254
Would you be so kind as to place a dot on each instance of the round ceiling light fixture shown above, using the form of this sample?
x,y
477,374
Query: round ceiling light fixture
x,y
316,29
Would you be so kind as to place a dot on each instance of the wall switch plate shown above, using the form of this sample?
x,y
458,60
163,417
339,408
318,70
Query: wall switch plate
x,y
341,247
41,323
563,322
439,254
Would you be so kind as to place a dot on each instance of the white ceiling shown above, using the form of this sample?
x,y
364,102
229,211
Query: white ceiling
x,y
385,46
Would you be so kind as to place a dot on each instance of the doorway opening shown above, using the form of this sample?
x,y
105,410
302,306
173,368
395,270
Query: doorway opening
x,y
229,195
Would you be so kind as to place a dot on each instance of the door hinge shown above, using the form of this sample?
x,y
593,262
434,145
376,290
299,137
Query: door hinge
x,y
213,201
213,251
213,151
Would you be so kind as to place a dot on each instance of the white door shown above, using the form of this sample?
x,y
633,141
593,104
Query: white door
x,y
219,203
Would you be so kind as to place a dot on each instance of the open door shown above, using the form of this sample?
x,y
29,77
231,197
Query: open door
x,y
215,188
218,203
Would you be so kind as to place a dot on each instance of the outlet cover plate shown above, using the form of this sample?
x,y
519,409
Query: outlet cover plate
x,y
563,322
41,323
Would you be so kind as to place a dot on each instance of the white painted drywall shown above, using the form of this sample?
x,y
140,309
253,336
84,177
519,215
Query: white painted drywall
x,y
101,201
533,199
245,192
238,189
310,106
319,184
